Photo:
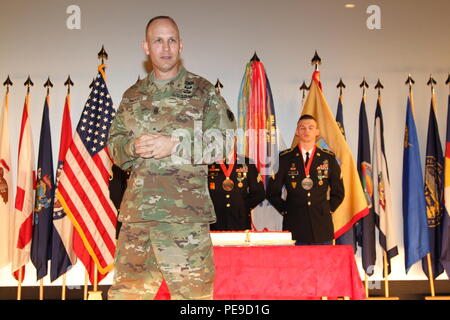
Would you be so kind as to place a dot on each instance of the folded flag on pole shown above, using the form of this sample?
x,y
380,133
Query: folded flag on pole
x,y
366,226
43,209
6,194
434,192
340,116
415,226
445,254
63,256
24,202
83,183
349,237
354,205
382,199
257,135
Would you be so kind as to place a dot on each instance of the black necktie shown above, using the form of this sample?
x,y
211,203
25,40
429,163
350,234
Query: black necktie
x,y
307,158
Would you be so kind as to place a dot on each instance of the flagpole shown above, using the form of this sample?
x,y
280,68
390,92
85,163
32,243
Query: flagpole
x,y
366,284
41,289
385,274
7,83
63,288
410,81
364,85
378,86
430,275
28,83
48,84
315,61
86,284
68,83
19,287
95,294
431,82
303,88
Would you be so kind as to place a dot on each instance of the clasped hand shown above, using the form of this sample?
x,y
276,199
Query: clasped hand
x,y
156,146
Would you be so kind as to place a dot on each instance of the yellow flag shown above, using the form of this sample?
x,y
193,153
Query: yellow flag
x,y
354,205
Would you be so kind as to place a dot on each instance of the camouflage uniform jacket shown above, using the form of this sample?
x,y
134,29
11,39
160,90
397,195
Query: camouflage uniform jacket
x,y
159,189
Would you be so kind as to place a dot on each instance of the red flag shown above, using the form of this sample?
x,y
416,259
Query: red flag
x,y
24,204
83,185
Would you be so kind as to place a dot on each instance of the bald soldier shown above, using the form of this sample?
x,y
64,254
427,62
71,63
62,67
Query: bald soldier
x,y
166,209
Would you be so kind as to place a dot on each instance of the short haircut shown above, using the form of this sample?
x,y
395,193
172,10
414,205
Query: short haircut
x,y
157,18
306,117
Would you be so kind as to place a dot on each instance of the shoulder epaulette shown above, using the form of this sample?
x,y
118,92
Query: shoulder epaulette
x,y
282,153
327,151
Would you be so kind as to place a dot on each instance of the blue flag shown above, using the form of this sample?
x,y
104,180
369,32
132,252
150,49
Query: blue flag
x,y
365,233
349,237
445,253
340,116
43,208
415,225
434,192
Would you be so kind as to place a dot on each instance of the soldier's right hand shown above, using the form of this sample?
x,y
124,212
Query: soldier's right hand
x,y
143,146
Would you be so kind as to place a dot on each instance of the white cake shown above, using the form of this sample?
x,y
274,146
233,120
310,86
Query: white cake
x,y
251,238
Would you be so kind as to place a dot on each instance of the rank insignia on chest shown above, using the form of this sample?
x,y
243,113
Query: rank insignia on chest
x,y
244,169
212,186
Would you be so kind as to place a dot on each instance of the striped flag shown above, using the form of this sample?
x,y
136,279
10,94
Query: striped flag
x,y
434,191
445,254
354,205
415,227
256,117
83,183
258,137
366,226
24,202
41,245
63,256
382,199
6,195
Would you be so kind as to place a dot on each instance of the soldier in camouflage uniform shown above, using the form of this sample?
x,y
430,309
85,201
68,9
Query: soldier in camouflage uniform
x,y
166,209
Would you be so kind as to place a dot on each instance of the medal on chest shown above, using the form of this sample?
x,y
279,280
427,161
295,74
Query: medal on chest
x,y
227,184
307,183
241,175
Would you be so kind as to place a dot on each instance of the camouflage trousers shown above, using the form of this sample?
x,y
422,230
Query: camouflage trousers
x,y
147,252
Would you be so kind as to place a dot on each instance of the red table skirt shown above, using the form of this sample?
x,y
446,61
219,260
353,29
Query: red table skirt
x,y
284,272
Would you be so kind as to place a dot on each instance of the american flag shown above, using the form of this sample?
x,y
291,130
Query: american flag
x,y
83,185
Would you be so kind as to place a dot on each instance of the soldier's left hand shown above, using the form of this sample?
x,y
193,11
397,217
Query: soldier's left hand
x,y
162,146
